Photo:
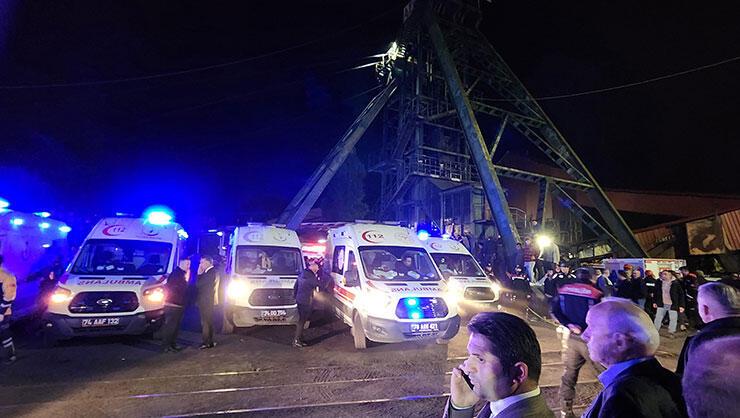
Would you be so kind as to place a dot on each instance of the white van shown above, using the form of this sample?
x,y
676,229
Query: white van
x,y
464,276
386,286
115,283
262,265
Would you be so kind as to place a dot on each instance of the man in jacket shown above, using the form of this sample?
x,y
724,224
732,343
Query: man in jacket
x,y
563,276
670,298
548,285
621,337
529,254
650,282
550,255
719,308
623,285
503,367
174,307
8,287
603,283
570,308
303,291
639,290
206,299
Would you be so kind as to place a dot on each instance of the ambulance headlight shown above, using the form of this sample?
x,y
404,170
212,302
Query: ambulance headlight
x,y
377,302
60,295
454,292
155,294
454,286
496,289
237,289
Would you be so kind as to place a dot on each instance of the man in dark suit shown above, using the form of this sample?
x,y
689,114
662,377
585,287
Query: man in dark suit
x,y
206,299
719,308
174,306
503,367
303,292
621,336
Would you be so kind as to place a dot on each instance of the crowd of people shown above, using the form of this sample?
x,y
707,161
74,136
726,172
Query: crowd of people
x,y
619,339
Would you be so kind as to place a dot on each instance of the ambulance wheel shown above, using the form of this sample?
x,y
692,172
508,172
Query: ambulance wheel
x,y
49,339
227,326
358,333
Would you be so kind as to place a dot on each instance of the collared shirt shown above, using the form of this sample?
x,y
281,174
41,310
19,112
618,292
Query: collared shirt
x,y
498,406
610,375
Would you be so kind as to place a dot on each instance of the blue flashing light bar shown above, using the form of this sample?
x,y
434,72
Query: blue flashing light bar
x,y
44,225
423,235
158,215
17,221
64,229
159,218
4,203
42,214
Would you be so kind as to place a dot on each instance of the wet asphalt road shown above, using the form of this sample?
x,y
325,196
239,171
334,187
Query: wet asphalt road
x,y
254,372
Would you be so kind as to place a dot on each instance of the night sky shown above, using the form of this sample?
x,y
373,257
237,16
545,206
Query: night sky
x,y
241,138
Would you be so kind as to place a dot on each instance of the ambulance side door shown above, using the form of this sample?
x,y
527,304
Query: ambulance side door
x,y
341,301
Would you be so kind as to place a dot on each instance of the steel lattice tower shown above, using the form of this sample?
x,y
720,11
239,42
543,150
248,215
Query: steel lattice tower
x,y
440,76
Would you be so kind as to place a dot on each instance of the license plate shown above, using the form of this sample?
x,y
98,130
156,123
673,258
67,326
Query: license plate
x,y
273,313
425,327
99,322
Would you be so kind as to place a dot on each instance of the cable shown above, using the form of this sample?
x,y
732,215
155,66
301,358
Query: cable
x,y
241,96
283,123
196,69
622,86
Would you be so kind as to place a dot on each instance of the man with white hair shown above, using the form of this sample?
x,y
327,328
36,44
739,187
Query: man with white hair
x,y
712,385
719,308
621,336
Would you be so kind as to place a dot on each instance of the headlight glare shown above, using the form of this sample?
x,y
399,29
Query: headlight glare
x,y
155,294
237,289
60,295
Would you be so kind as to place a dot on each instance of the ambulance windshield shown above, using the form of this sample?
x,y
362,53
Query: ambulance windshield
x,y
398,264
116,257
457,265
262,259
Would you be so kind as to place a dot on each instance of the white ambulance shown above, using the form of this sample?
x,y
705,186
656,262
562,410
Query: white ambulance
x,y
262,265
386,286
115,283
465,278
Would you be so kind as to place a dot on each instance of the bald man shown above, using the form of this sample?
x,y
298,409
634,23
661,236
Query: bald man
x,y
712,386
719,308
621,336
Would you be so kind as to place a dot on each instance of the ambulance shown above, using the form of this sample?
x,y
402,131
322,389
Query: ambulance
x,y
115,283
466,280
262,265
386,286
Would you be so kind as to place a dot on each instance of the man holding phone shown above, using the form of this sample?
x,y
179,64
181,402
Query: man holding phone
x,y
503,366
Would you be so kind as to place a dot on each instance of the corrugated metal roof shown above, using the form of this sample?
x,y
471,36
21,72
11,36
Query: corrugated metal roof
x,y
731,229
653,237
